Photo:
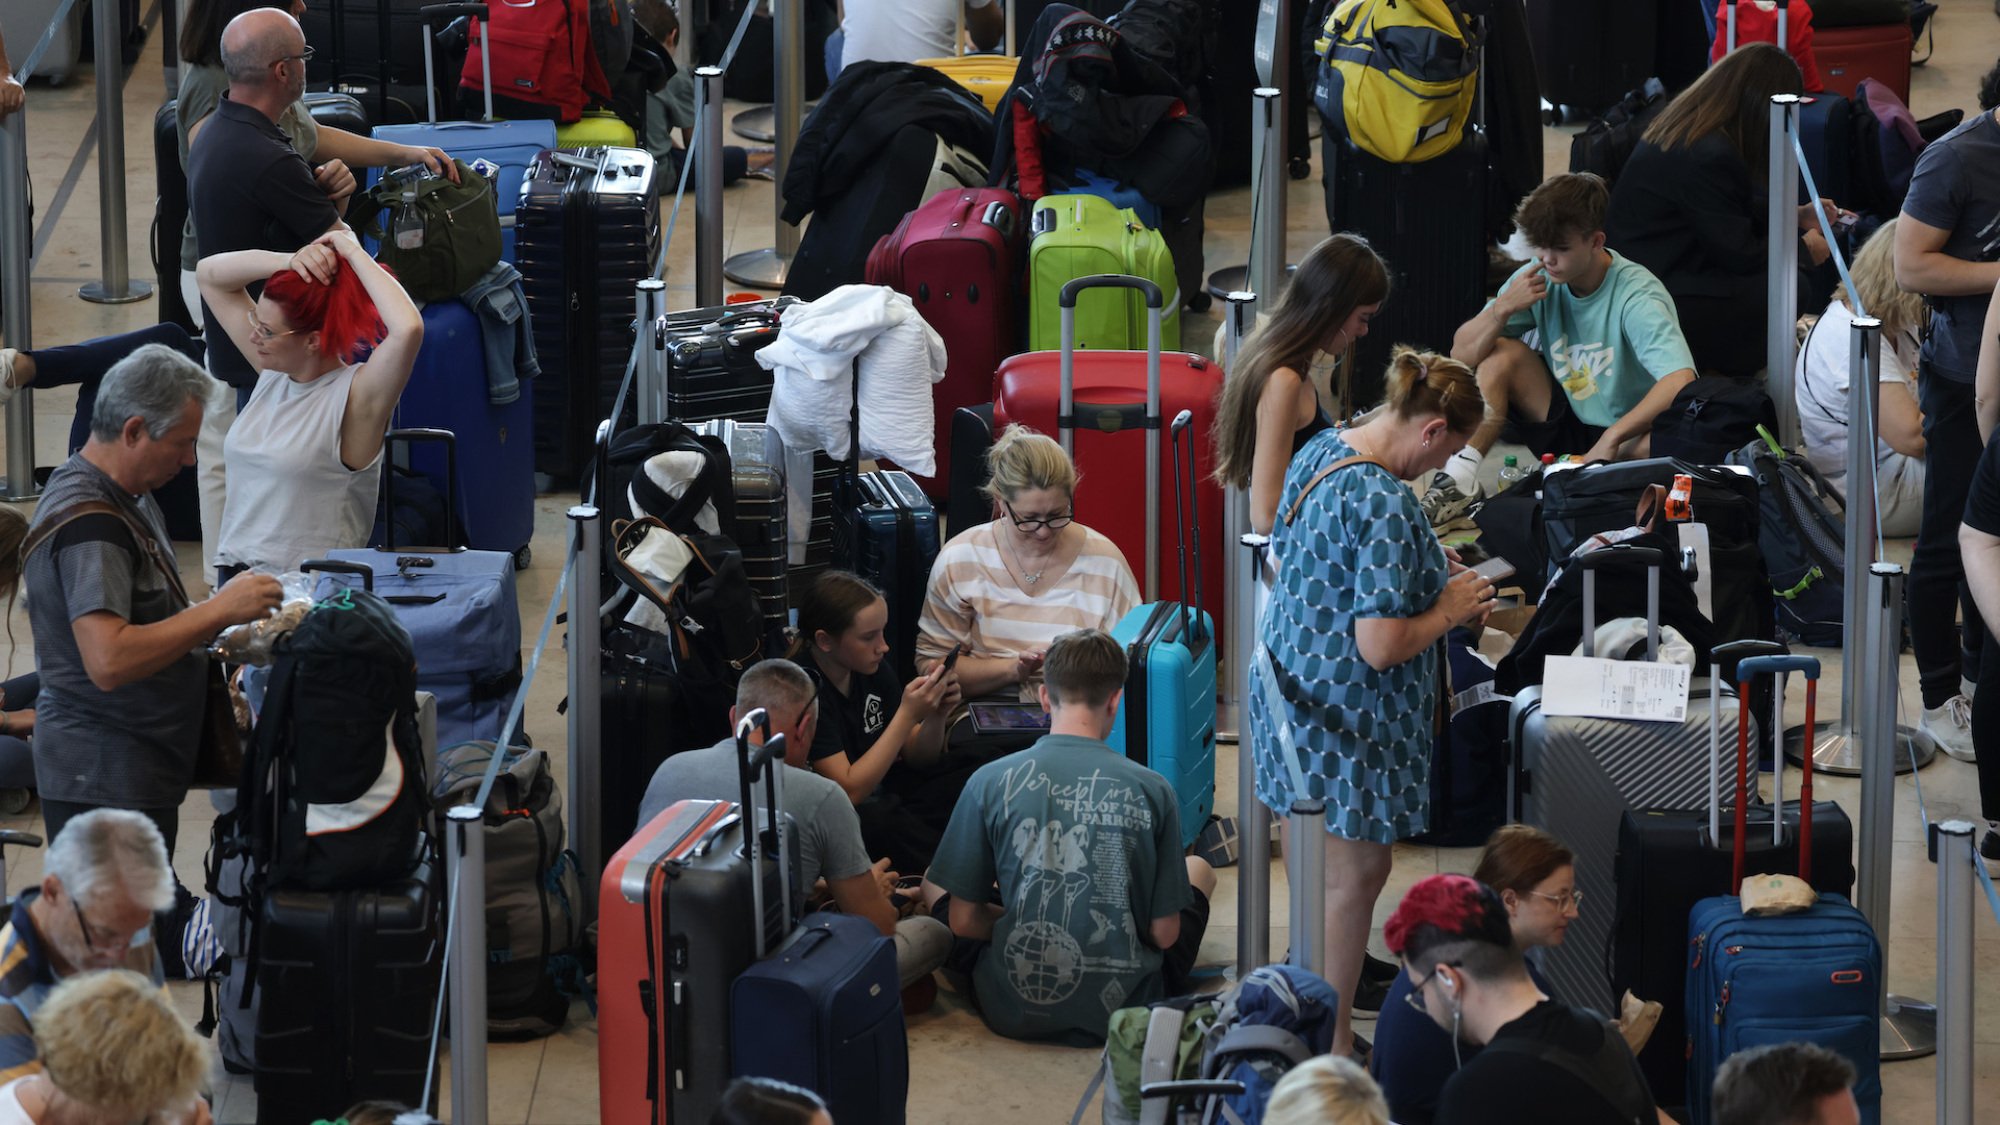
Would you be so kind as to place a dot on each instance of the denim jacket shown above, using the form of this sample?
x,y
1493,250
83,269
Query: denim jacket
x,y
505,330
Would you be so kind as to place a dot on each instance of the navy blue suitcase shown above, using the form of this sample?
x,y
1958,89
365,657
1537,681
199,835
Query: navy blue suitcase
x,y
495,508
824,1011
886,531
1166,718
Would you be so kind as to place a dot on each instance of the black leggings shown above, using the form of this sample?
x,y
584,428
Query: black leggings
x,y
83,365
1937,594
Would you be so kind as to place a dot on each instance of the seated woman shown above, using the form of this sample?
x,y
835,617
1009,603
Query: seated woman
x,y
1001,591
1535,876
1269,407
307,448
1690,207
1821,386
113,1049
868,719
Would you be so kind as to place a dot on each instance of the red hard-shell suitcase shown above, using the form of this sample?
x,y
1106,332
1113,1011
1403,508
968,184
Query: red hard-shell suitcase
x,y
675,909
1111,431
958,258
1849,54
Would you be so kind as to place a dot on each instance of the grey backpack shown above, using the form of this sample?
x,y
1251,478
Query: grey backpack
x,y
533,897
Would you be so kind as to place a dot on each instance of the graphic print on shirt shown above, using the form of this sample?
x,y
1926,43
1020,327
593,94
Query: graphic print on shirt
x,y
1074,903
1580,367
872,721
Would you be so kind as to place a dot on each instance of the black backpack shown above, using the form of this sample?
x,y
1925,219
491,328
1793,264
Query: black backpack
x,y
1711,418
1804,540
1607,143
333,794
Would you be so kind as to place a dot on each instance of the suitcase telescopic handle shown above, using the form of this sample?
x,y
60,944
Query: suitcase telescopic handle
x,y
434,16
1620,554
1778,666
408,438
1719,656
1185,495
331,566
1156,303
758,843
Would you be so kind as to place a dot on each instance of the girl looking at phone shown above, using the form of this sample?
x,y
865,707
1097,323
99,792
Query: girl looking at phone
x,y
868,719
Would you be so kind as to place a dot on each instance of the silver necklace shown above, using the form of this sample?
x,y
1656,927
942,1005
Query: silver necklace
x,y
1030,579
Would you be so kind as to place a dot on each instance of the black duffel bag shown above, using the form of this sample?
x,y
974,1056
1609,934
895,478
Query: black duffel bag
x,y
1713,417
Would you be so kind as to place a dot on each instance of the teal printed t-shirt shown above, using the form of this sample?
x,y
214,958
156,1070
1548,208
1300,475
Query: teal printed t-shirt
x,y
1084,845
1608,349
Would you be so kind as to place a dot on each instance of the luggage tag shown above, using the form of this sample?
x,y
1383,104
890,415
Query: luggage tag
x,y
1632,690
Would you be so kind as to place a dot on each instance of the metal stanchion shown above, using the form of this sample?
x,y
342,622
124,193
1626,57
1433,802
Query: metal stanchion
x,y
1305,864
16,301
708,189
465,874
1909,1027
1239,577
766,268
114,285
1011,52
586,701
1253,820
1782,265
170,56
1837,746
651,378
1955,858
1268,269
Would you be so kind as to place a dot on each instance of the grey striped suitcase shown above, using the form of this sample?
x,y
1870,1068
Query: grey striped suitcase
x,y
1575,778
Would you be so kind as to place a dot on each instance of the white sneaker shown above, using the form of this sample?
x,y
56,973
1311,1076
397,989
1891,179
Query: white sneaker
x,y
7,388
1950,727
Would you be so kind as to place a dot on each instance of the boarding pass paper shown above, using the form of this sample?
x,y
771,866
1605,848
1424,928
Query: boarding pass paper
x,y
1591,687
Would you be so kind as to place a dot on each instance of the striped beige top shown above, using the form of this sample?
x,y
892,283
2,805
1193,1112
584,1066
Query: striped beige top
x,y
973,601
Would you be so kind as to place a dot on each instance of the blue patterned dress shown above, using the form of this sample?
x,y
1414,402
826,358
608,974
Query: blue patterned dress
x,y
1319,715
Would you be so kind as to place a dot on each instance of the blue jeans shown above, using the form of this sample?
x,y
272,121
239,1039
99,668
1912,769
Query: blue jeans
x,y
834,44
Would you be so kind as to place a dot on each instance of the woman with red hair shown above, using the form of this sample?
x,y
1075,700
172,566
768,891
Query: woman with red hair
x,y
305,453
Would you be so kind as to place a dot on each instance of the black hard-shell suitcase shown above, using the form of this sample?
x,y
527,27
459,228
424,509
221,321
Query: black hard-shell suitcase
x,y
1434,241
834,249
886,531
373,49
1669,859
1588,53
971,438
346,984
585,234
759,528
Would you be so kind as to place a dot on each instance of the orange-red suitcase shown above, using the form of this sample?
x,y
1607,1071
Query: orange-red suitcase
x,y
1849,54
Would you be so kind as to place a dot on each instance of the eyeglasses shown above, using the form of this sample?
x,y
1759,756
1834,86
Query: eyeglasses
x,y
1568,900
303,56
1415,997
1053,523
111,945
262,333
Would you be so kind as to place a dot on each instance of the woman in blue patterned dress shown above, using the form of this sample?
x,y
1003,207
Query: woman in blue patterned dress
x,y
1343,684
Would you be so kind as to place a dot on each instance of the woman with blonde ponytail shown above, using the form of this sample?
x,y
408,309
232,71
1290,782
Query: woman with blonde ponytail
x,y
1343,684
1269,408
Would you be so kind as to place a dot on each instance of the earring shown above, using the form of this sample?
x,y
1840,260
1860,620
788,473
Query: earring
x,y
1427,443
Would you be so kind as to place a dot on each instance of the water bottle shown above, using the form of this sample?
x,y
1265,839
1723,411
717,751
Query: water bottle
x,y
1510,472
409,228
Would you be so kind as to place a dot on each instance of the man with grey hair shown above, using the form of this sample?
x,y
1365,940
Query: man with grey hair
x,y
827,831
121,651
248,189
102,883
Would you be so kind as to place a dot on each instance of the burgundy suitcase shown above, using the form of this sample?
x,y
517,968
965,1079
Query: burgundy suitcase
x,y
958,257
1112,425
1849,54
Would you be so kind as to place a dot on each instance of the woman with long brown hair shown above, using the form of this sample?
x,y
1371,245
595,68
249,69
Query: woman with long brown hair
x,y
1269,407
1690,207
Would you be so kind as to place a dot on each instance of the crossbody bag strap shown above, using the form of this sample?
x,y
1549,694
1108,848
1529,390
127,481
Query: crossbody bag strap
x,y
141,538
1293,511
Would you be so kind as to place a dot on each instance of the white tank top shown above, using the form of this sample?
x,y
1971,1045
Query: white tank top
x,y
290,498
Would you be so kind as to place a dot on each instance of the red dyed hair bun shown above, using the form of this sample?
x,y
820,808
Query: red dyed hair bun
x,y
341,312
1447,908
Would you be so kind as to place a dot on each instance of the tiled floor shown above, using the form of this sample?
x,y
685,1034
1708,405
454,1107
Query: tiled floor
x,y
960,1072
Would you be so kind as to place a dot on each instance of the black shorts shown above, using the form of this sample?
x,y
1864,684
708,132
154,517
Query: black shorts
x,y
1176,963
1561,432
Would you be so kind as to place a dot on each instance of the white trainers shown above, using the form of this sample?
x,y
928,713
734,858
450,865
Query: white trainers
x,y
7,388
1445,501
1950,727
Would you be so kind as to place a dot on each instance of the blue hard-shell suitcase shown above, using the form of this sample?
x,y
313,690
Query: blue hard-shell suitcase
x,y
1813,977
495,445
463,616
1166,718
886,531
824,1011
1121,195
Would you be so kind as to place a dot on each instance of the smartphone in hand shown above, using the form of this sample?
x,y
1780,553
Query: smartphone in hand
x,y
1494,570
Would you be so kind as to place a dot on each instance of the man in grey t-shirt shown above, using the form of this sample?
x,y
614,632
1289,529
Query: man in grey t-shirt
x,y
120,650
828,832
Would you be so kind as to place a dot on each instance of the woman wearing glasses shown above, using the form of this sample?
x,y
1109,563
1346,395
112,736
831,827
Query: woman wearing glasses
x,y
305,453
1535,875
1001,591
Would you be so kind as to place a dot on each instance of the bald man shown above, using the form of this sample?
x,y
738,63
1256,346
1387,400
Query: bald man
x,y
248,189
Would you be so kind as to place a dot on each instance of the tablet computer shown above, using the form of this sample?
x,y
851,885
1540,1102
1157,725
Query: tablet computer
x,y
999,718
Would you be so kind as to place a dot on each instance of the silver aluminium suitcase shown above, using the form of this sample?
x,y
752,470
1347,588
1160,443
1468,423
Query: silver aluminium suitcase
x,y
1576,777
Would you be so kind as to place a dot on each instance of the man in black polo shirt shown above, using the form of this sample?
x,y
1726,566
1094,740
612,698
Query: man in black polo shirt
x,y
250,190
